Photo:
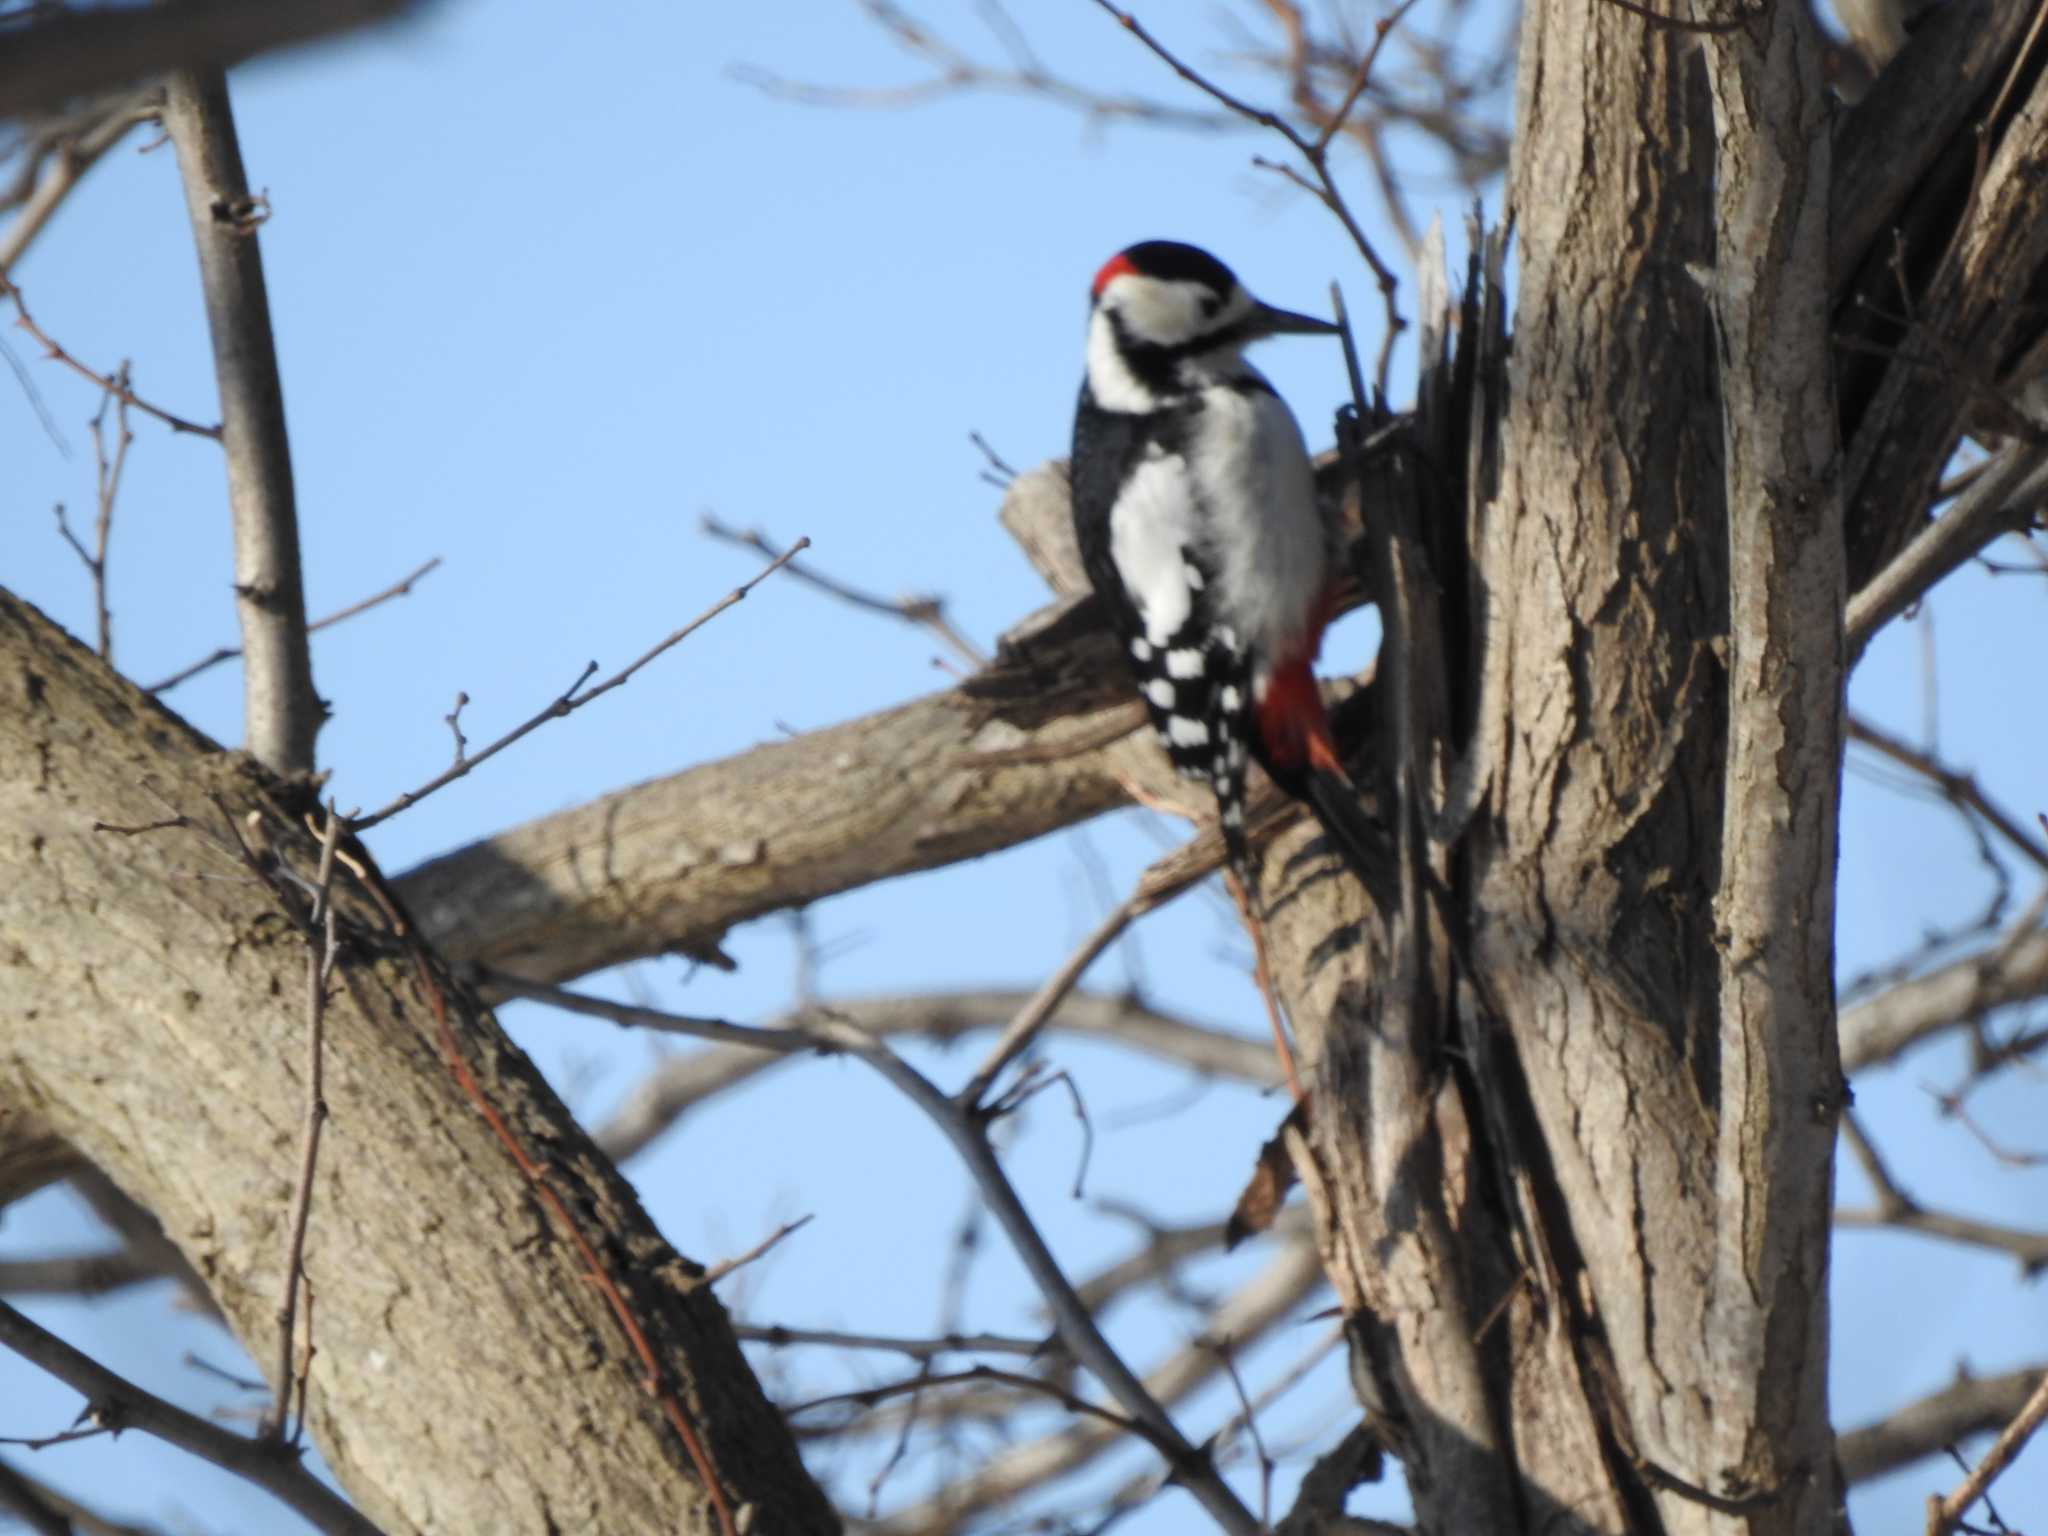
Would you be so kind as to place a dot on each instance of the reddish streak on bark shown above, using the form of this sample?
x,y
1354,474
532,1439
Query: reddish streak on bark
x,y
607,1287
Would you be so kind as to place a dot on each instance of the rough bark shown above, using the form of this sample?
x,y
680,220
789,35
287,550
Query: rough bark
x,y
669,866
1571,1146
470,1375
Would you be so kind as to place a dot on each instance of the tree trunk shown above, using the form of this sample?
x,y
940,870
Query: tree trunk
x,y
1571,1146
472,1373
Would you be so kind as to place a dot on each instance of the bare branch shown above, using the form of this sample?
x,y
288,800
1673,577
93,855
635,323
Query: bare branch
x,y
1972,1406
400,588
669,866
680,1083
1154,889
1959,789
573,698
982,1374
109,383
70,157
1945,1515
64,52
2009,494
282,712
113,1403
47,1512
917,1349
83,1274
1290,1277
724,1267
1076,1325
965,1128
1900,1211
1883,1027
924,612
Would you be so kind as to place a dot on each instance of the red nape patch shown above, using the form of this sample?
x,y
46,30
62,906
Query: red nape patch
x,y
1119,265
1292,723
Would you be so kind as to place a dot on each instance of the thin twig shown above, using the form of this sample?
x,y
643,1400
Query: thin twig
x,y
966,1129
724,1267
1250,1420
113,1402
1945,1515
106,382
1959,789
45,1512
575,696
1036,1079
983,1374
1018,1034
783,1042
999,471
107,469
1899,1211
69,159
400,588
967,1133
1315,151
322,955
924,612
917,1349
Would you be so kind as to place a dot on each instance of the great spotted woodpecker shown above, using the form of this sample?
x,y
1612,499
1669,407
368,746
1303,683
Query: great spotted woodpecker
x,y
1195,507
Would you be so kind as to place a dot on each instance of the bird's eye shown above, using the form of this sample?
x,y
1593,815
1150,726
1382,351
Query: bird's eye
x,y
1211,304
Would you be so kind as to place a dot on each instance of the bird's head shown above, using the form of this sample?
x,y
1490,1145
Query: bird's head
x,y
1168,315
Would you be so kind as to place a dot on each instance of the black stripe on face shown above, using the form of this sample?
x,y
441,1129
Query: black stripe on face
x,y
1153,366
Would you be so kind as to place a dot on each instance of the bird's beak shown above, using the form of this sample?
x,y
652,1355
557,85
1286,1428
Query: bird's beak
x,y
1268,321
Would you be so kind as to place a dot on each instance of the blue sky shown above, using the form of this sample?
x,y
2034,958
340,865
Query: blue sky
x,y
547,294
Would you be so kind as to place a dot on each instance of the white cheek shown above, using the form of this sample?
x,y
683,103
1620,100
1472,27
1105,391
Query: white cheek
x,y
1115,387
1167,313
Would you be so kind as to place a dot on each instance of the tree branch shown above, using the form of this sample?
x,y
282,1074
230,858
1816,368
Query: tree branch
x,y
677,1085
1286,1280
668,867
571,699
481,1298
113,1403
71,157
1882,1028
66,52
1945,1515
1972,1406
965,1128
399,588
2005,498
282,712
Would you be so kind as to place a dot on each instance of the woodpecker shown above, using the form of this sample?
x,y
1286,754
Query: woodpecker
x,y
1194,504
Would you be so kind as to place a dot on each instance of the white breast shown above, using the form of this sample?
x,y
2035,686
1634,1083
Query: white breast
x,y
1258,517
1154,519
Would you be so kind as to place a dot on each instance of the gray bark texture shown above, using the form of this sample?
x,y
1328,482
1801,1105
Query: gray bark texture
x,y
1572,1048
470,1375
1577,1070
